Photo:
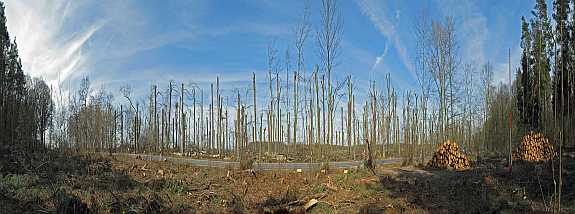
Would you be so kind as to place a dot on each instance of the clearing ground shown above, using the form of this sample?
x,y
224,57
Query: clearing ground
x,y
50,182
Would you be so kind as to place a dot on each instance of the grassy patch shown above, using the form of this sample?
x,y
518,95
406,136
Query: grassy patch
x,y
349,181
216,200
12,182
175,186
364,190
319,188
321,208
23,187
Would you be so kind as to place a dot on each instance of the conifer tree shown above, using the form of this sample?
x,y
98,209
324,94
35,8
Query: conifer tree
x,y
563,55
524,96
541,54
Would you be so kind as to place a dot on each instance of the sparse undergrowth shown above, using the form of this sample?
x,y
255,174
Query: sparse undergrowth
x,y
100,184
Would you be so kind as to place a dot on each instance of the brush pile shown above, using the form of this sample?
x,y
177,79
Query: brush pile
x,y
534,147
448,155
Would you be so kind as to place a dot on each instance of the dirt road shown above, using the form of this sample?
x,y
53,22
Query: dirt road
x,y
257,166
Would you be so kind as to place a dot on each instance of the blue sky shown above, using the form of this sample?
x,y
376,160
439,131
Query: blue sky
x,y
139,43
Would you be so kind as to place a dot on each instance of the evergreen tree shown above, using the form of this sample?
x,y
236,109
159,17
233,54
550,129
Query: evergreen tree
x,y
570,73
4,44
541,53
525,99
25,104
563,55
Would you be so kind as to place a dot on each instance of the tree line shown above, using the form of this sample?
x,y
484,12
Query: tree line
x,y
25,103
546,77
307,113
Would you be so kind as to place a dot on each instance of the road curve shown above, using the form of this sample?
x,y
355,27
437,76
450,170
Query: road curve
x,y
257,166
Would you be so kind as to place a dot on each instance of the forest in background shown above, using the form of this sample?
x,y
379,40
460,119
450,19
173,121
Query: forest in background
x,y
26,105
56,148
307,114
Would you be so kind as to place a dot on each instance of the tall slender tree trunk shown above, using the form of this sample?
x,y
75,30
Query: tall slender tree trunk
x,y
255,117
211,132
183,122
295,108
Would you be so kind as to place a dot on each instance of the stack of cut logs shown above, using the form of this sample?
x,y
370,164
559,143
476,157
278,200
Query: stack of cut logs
x,y
448,155
534,147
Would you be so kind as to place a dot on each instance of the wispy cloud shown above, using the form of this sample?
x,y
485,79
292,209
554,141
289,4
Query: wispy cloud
x,y
374,68
40,28
379,59
471,28
474,32
385,25
59,42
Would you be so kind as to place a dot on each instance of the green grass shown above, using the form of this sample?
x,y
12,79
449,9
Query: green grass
x,y
11,182
319,188
348,181
23,187
321,207
174,186
217,200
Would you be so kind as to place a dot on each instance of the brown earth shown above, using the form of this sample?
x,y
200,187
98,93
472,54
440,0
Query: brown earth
x,y
50,182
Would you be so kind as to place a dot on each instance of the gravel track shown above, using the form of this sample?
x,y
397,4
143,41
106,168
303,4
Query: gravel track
x,y
257,166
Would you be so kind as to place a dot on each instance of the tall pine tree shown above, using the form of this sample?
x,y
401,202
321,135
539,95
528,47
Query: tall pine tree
x,y
525,98
4,45
570,74
25,105
563,56
541,53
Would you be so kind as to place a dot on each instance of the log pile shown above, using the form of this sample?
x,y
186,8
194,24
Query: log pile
x,y
534,147
448,155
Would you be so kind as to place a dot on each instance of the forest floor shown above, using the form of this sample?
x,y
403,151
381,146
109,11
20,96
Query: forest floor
x,y
47,182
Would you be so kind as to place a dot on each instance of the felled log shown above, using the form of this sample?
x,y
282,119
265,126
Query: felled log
x,y
449,155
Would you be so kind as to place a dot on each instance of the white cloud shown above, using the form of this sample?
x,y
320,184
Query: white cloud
x,y
39,28
471,28
474,31
379,59
386,27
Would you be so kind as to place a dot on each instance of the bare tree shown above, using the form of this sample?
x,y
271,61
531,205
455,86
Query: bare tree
x,y
126,92
487,89
437,61
328,40
302,32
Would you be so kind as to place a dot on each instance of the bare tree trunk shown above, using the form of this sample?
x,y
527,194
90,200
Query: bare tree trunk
x,y
349,112
194,123
270,110
277,126
219,115
255,116
238,120
341,128
323,142
295,109
137,129
261,134
226,133
183,122
318,110
202,123
211,132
